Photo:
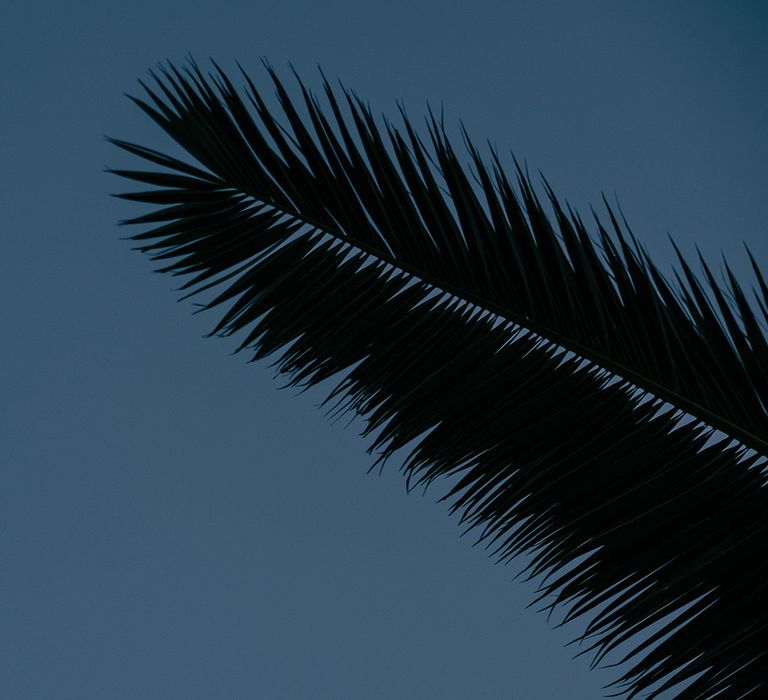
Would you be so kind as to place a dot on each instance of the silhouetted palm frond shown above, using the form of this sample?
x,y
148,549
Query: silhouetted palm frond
x,y
592,413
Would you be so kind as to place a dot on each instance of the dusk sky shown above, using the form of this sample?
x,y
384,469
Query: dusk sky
x,y
175,526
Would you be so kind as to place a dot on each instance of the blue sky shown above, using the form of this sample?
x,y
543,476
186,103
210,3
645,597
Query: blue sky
x,y
172,525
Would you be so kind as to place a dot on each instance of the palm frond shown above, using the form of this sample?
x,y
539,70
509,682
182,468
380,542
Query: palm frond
x,y
590,411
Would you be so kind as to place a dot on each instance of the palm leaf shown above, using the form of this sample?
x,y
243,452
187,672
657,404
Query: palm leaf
x,y
590,412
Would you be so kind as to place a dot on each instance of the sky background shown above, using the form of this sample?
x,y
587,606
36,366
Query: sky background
x,y
174,526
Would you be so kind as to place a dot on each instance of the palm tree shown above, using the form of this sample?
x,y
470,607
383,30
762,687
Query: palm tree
x,y
592,413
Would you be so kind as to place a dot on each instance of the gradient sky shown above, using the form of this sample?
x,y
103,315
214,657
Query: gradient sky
x,y
172,525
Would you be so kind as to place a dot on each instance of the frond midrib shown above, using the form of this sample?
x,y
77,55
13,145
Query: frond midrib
x,y
747,438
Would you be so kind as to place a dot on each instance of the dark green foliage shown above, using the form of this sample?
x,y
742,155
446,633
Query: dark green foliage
x,y
550,372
